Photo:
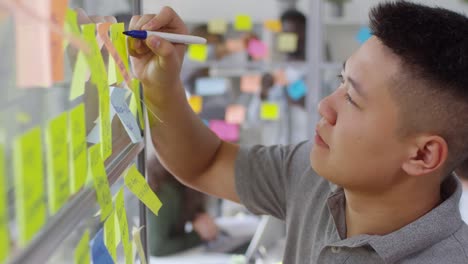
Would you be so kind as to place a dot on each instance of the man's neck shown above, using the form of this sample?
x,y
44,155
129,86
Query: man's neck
x,y
385,213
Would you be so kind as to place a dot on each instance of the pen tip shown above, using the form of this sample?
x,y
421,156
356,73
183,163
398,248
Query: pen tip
x,y
126,33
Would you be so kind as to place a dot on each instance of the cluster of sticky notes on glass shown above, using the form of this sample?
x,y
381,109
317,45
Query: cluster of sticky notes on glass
x,y
4,236
123,224
196,103
58,187
250,83
217,26
287,42
99,252
257,49
139,187
225,131
297,90
243,23
82,254
29,184
235,114
363,34
273,25
125,115
78,148
100,181
207,86
198,52
269,111
118,39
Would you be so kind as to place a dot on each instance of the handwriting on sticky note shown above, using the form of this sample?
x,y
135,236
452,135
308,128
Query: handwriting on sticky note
x,y
211,86
243,23
81,253
29,184
123,223
78,148
99,253
4,237
250,83
137,184
217,26
235,114
257,49
198,52
79,77
100,182
273,25
225,131
297,90
136,233
196,103
57,162
287,42
109,236
58,12
120,44
123,112
269,111
105,132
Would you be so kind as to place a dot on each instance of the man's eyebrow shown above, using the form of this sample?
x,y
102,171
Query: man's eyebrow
x,y
353,83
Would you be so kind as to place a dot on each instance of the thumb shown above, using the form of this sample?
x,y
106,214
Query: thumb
x,y
165,51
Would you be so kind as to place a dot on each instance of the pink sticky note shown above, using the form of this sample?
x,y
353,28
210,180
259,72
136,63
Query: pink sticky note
x,y
33,54
235,45
250,83
257,49
59,8
225,131
235,114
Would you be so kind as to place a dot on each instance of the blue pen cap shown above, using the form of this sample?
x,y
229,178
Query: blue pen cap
x,y
139,34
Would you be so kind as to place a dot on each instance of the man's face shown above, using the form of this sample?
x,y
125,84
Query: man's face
x,y
357,145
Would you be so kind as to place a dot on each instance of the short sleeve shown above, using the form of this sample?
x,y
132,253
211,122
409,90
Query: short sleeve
x,y
265,176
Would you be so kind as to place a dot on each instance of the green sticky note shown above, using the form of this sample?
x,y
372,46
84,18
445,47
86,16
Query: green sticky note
x,y
116,229
71,25
78,148
29,184
133,105
269,111
100,181
120,44
198,52
95,60
80,74
105,131
58,186
123,224
109,236
82,255
111,73
136,95
4,237
137,184
243,23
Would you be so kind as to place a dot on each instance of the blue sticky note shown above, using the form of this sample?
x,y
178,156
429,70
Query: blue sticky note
x,y
123,112
363,35
211,86
297,90
99,253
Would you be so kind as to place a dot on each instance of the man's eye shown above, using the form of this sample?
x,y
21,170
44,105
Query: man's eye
x,y
340,77
350,100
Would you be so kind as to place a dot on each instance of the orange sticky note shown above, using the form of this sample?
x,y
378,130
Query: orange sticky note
x,y
198,52
287,42
196,102
217,26
250,83
235,45
235,114
269,111
280,77
243,23
273,25
59,8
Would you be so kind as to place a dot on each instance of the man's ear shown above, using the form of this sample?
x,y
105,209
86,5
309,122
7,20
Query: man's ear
x,y
427,155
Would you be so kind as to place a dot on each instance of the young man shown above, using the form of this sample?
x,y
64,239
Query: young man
x,y
376,184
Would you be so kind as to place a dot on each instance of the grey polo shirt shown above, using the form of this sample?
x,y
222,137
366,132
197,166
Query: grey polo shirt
x,y
279,181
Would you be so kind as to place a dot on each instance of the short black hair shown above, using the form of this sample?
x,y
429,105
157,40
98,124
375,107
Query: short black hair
x,y
432,89
295,16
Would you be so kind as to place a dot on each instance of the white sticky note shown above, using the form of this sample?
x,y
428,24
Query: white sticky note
x,y
211,86
123,112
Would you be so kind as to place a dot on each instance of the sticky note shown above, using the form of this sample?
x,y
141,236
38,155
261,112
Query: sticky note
x,y
116,228
287,42
196,103
250,83
363,35
29,184
109,236
137,98
4,236
105,132
235,45
136,234
211,86
33,65
198,52
58,12
111,73
123,224
292,74
78,148
235,114
273,25
269,111
120,44
58,187
280,77
257,49
225,131
99,253
123,112
243,23
137,184
100,181
71,22
79,77
297,90
217,26
81,254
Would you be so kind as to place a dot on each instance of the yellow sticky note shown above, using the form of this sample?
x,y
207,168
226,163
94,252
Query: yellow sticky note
x,y
78,148
243,23
29,184
112,74
123,224
196,102
217,26
287,42
71,24
82,254
80,74
269,111
137,98
198,52
137,184
58,187
4,237
100,181
109,236
95,60
116,228
136,234
273,25
133,105
118,39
